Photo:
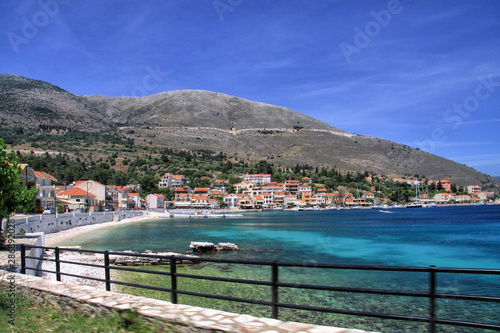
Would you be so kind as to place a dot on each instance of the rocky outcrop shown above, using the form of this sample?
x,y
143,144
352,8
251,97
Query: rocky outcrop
x,y
211,247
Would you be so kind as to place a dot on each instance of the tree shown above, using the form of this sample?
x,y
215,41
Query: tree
x,y
13,195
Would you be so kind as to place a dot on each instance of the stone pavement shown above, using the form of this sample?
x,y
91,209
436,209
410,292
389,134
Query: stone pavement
x,y
179,318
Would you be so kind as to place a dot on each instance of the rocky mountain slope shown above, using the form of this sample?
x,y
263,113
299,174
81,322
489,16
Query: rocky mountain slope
x,y
195,119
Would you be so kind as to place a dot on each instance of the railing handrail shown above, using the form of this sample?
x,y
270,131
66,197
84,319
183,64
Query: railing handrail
x,y
422,269
275,284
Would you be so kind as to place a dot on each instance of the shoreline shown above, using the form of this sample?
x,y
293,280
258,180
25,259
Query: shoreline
x,y
54,238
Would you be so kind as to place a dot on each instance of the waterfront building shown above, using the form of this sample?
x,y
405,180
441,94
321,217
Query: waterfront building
x,y
155,201
444,197
77,198
46,191
95,188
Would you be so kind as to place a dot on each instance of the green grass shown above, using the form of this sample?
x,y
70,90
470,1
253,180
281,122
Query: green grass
x,y
31,317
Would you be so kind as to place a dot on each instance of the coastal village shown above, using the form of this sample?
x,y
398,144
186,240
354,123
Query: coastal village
x,y
255,192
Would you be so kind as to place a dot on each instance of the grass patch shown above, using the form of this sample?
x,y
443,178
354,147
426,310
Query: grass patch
x,y
31,317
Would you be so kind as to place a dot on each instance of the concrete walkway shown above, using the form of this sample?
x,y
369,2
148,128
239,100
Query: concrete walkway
x,y
179,318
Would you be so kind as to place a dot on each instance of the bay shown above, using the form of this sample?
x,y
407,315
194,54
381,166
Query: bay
x,y
456,236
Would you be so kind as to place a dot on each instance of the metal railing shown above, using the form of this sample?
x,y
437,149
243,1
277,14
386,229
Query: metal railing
x,y
274,283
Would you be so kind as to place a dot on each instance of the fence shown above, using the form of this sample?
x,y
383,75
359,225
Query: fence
x,y
59,222
274,283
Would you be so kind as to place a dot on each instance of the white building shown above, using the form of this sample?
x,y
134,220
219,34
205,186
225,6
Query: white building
x,y
46,191
474,189
93,187
155,201
173,181
232,199
258,178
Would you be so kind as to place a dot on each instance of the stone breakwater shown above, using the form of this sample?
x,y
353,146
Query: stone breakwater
x,y
70,298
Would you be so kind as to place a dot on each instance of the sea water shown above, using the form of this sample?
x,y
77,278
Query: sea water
x,y
455,236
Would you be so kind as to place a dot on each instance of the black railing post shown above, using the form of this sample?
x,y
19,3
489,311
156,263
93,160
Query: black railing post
x,y
274,287
432,299
107,275
173,280
23,259
58,265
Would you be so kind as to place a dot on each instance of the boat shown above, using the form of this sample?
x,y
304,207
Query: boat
x,y
385,211
414,205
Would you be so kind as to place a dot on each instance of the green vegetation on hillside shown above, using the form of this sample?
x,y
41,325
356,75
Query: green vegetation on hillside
x,y
202,167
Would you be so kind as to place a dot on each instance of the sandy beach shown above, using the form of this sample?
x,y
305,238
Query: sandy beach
x,y
56,238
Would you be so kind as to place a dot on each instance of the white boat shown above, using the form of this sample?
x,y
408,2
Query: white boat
x,y
385,211
414,205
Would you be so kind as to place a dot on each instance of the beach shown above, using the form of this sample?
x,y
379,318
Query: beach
x,y
55,238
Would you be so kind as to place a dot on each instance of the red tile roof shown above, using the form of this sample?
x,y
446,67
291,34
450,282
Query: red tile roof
x,y
75,191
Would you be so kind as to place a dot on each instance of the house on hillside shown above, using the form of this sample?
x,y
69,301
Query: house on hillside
x,y
474,189
306,180
172,181
291,186
257,178
243,186
219,185
272,187
445,184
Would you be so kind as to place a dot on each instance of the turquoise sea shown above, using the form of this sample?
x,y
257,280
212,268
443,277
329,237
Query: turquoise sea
x,y
456,236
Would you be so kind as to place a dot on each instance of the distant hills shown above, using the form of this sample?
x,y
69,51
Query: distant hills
x,y
196,119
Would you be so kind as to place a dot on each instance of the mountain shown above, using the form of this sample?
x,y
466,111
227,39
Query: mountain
x,y
196,119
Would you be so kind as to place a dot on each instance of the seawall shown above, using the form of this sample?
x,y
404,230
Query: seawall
x,y
59,222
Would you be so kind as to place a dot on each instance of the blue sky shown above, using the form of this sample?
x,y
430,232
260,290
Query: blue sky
x,y
421,73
